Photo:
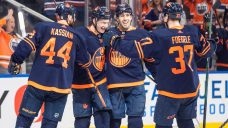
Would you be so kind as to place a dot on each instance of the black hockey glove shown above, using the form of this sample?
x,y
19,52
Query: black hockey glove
x,y
109,37
14,68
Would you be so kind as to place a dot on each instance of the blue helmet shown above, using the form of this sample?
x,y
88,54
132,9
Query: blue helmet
x,y
121,8
64,11
101,13
174,10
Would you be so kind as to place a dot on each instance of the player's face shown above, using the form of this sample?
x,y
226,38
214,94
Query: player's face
x,y
102,25
124,20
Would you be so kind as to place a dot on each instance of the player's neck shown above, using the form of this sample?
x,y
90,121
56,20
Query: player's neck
x,y
173,23
64,22
93,29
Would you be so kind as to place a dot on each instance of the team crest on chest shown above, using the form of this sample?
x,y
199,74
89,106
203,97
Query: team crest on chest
x,y
99,59
117,59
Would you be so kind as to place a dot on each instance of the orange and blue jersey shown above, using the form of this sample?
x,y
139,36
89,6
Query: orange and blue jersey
x,y
123,71
58,50
198,9
96,51
173,51
9,42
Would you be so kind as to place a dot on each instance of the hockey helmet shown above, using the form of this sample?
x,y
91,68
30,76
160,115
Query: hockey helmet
x,y
63,11
174,10
101,13
121,8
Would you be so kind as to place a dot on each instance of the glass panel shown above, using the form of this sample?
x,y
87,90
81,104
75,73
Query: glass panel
x,y
24,23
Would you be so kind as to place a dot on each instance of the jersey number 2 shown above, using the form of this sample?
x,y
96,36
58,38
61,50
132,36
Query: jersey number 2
x,y
180,59
63,52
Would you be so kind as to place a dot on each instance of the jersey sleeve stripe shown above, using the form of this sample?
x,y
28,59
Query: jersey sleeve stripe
x,y
30,43
204,51
140,49
137,47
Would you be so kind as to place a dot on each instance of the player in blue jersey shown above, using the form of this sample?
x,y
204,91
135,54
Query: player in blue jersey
x,y
173,50
86,100
125,75
58,50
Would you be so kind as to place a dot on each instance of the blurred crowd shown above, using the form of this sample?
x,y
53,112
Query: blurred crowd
x,y
196,12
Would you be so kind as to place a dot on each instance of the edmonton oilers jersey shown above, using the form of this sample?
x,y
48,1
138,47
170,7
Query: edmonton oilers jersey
x,y
173,51
58,50
96,51
123,71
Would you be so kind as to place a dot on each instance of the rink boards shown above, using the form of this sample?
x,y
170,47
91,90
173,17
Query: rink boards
x,y
12,88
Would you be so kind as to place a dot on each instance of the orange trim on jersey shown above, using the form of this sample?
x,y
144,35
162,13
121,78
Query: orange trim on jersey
x,y
140,49
177,27
86,65
46,88
28,41
4,63
137,47
125,84
150,41
179,96
222,65
2,22
83,86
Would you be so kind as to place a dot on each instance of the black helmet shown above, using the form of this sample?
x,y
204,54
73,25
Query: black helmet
x,y
101,13
174,10
64,11
121,8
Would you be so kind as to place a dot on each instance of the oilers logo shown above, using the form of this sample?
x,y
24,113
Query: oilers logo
x,y
117,59
202,8
99,59
13,43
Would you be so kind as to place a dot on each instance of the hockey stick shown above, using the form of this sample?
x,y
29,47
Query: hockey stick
x,y
151,78
223,124
96,88
207,76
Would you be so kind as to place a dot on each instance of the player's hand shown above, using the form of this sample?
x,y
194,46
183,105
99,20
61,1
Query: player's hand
x,y
14,68
109,37
10,14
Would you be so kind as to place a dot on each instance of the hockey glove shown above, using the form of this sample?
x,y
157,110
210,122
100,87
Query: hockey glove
x,y
14,68
108,38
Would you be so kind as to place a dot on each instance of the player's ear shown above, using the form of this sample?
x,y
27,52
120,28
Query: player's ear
x,y
57,17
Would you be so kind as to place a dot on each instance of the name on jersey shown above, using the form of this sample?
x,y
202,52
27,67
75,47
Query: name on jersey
x,y
61,32
181,39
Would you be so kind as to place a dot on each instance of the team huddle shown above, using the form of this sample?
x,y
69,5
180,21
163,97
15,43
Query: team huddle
x,y
103,68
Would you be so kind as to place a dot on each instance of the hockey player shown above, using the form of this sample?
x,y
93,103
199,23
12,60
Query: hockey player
x,y
177,80
86,100
125,75
58,49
